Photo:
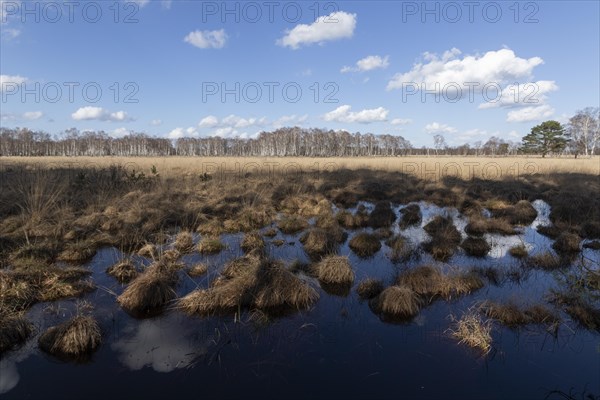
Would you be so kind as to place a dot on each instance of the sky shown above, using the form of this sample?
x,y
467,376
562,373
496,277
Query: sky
x,y
465,70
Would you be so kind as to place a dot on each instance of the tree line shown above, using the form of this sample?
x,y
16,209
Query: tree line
x,y
581,136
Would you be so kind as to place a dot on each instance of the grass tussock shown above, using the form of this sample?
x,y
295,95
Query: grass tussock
x,y
431,283
473,331
335,270
476,247
382,215
551,231
352,221
210,245
20,288
365,244
567,243
253,241
519,251
445,238
77,252
585,314
411,215
521,213
75,338
511,315
397,303
150,292
198,269
400,248
148,250
212,227
545,261
369,288
251,283
123,271
270,232
292,224
184,242
594,245
317,242
591,230
329,224
478,226
15,329
579,308
169,256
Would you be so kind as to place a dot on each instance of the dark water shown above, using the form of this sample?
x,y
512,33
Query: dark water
x,y
338,349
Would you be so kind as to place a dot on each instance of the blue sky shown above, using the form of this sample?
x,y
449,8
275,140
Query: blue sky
x,y
370,60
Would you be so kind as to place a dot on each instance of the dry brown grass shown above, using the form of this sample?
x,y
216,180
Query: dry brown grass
x,y
253,241
521,213
148,250
210,245
249,283
317,242
594,245
511,315
77,252
519,251
545,261
567,243
445,238
78,337
33,282
123,271
400,248
397,303
150,292
473,331
292,224
382,215
184,242
411,215
270,232
365,244
198,269
477,247
369,288
335,270
178,166
431,283
15,329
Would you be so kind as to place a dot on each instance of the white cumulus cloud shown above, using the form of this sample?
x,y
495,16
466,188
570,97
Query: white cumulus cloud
x,y
525,94
335,26
98,113
436,127
209,122
343,114
527,114
368,63
33,115
401,121
290,120
6,80
207,39
499,67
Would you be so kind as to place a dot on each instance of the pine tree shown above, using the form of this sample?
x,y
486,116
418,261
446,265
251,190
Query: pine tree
x,y
548,137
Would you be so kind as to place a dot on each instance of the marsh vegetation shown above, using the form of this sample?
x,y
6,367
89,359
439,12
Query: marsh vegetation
x,y
253,264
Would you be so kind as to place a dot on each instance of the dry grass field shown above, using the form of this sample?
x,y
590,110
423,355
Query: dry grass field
x,y
425,167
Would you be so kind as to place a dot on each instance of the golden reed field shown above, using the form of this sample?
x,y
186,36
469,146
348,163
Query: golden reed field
x,y
425,167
